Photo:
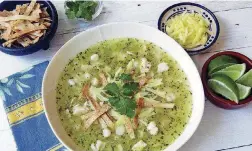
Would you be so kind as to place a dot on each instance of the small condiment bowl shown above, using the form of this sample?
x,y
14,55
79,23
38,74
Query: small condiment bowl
x,y
44,41
217,99
176,9
98,11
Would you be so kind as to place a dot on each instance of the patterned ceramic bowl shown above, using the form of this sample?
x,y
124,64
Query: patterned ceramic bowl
x,y
44,42
192,8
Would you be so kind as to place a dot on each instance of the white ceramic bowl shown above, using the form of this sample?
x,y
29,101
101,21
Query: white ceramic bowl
x,y
118,30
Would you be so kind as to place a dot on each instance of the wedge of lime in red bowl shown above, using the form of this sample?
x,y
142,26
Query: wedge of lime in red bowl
x,y
220,63
225,86
218,99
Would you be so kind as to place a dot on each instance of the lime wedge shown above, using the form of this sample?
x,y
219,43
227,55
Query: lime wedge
x,y
220,62
224,86
220,67
244,91
233,71
246,79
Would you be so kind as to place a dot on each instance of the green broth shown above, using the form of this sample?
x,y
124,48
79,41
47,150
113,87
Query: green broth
x,y
113,54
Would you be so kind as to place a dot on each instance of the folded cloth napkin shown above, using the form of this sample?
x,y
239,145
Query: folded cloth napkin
x,y
21,95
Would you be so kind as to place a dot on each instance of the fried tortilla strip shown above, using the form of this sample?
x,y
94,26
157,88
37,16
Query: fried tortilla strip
x,y
25,41
21,33
32,36
96,105
7,32
15,23
17,10
6,13
140,105
129,128
37,33
36,12
23,9
44,12
21,26
47,24
86,116
9,42
30,7
97,114
2,27
103,79
35,40
46,19
102,123
18,17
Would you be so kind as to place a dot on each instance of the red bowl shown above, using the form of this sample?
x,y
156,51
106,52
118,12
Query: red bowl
x,y
217,99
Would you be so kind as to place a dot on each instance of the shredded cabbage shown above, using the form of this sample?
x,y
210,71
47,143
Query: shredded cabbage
x,y
98,93
188,29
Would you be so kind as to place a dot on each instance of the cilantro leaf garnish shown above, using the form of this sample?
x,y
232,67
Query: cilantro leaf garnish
x,y
123,105
125,77
80,9
112,89
121,97
130,88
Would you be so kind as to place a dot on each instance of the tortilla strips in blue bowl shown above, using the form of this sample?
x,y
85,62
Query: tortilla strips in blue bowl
x,y
26,26
192,25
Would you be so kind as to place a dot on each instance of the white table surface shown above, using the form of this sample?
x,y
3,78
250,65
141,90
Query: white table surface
x,y
220,129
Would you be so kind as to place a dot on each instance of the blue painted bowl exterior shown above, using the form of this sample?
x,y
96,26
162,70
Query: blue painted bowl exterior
x,y
179,8
44,41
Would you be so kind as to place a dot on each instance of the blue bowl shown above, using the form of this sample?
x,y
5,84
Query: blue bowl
x,y
180,8
44,41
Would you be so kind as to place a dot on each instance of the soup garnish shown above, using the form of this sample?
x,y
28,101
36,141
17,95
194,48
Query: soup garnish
x,y
123,94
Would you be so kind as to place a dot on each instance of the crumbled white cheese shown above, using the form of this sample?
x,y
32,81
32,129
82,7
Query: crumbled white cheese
x,y
120,130
94,57
106,132
93,147
78,110
145,65
87,75
94,81
98,146
139,146
128,52
170,97
152,128
162,67
71,82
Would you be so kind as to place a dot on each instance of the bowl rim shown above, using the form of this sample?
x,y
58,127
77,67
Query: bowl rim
x,y
202,7
194,120
216,99
44,40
